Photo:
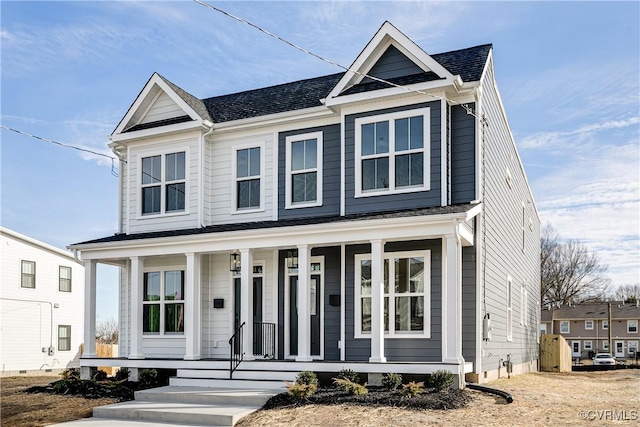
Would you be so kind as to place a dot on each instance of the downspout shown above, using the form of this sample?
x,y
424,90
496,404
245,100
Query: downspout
x,y
459,356
208,124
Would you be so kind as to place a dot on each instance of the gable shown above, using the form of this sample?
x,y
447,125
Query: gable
x,y
391,64
162,108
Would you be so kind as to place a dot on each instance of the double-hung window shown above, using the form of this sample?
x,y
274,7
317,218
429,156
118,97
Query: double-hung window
x,y
64,337
28,274
632,326
392,153
564,327
248,178
304,170
163,183
64,279
406,294
163,302
588,324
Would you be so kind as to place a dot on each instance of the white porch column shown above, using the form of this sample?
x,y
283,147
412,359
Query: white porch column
x,y
452,304
193,308
377,302
246,301
89,309
137,288
304,324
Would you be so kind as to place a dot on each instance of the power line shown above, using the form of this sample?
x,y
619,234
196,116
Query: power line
x,y
328,61
114,170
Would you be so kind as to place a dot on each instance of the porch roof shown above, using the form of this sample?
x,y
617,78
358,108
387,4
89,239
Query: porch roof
x,y
222,228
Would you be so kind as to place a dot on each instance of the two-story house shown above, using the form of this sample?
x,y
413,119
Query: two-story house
x,y
41,302
587,328
378,220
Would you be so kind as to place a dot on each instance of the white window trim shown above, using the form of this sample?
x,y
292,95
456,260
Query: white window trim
x,y
568,323
426,333
426,150
605,345
632,322
163,183
234,178
522,305
68,327
162,270
605,324
632,344
509,308
586,325
588,345
318,170
60,267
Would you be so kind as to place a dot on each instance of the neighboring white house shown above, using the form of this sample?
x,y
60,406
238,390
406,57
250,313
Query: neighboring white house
x,y
41,304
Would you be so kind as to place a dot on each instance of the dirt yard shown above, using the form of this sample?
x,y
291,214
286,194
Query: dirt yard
x,y
541,399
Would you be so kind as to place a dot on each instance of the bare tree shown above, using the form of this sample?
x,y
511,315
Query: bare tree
x,y
570,273
628,293
107,331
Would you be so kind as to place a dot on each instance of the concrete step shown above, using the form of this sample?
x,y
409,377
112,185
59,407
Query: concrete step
x,y
277,386
240,374
182,413
206,396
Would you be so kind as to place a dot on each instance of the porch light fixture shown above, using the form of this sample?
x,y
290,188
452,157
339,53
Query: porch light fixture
x,y
292,259
234,262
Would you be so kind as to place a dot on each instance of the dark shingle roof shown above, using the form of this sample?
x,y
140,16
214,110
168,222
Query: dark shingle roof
x,y
193,102
592,311
468,63
439,210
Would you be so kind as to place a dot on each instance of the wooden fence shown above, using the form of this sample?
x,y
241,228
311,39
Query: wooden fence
x,y
107,350
555,354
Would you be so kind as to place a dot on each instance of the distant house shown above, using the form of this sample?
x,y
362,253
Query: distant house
x,y
378,220
586,328
41,305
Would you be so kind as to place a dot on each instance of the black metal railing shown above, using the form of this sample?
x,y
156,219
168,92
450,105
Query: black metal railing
x,y
235,345
264,339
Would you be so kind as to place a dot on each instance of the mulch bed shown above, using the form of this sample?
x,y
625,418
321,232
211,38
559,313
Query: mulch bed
x,y
431,399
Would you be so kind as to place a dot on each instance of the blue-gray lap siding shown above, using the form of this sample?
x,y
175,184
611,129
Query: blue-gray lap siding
x,y
469,314
419,199
463,155
397,349
391,64
330,174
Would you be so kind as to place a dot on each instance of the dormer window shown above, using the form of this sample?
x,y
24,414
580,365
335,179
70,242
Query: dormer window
x,y
163,183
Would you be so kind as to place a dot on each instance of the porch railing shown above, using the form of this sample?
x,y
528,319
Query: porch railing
x,y
264,339
237,353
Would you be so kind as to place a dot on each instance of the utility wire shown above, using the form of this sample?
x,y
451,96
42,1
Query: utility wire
x,y
114,170
328,61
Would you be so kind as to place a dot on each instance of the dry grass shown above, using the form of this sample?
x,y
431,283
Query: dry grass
x,y
541,399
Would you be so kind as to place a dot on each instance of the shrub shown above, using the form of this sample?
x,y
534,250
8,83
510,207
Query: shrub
x,y
122,374
301,391
148,377
70,373
392,381
348,374
307,378
100,375
350,387
412,389
440,380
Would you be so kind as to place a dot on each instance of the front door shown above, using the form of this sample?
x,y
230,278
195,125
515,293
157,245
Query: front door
x,y
619,349
575,348
256,313
315,312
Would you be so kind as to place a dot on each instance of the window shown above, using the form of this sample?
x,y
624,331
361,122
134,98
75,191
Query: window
x,y
64,338
605,345
163,302
406,294
509,308
163,184
392,153
543,328
304,170
588,345
248,177
588,324
605,324
564,327
28,274
633,347
632,326
64,280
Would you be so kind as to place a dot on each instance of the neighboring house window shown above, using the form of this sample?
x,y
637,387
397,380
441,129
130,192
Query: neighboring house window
x,y
605,345
633,347
392,153
588,345
28,274
632,326
564,327
163,302
64,337
509,308
543,328
64,284
588,324
163,183
406,294
605,324
304,170
248,177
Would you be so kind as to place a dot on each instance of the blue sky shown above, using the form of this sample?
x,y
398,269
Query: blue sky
x,y
568,73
